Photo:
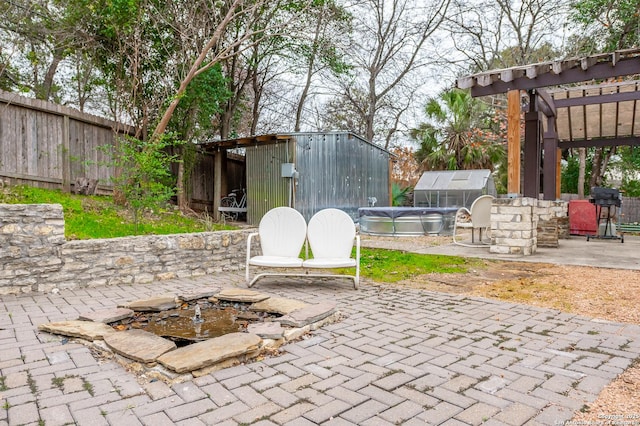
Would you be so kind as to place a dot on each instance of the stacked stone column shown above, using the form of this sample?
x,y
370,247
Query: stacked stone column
x,y
521,225
513,226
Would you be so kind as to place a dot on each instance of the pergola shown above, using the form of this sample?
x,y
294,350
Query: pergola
x,y
562,114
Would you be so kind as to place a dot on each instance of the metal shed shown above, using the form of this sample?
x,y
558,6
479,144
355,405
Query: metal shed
x,y
452,188
312,171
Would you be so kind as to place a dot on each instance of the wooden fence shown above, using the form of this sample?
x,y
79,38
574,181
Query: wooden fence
x,y
48,145
51,146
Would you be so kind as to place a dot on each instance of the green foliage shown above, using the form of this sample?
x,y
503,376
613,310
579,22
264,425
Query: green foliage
x,y
459,134
203,99
630,187
629,166
391,265
399,194
88,217
144,178
609,24
570,172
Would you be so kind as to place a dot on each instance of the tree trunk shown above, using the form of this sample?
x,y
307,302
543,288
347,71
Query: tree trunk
x,y
225,124
257,95
303,97
164,121
44,91
600,163
596,168
183,203
307,83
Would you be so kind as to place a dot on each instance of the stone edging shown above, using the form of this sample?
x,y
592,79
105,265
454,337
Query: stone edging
x,y
159,358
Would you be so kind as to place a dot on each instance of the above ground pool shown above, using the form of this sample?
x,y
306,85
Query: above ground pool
x,y
403,221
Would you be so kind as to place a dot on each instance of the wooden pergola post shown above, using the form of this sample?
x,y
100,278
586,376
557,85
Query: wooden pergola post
x,y
513,143
558,172
550,146
532,151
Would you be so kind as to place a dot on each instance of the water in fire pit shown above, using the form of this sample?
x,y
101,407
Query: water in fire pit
x,y
196,321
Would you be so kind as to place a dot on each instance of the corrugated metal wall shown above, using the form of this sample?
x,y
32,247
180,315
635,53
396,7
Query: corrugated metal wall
x,y
266,188
339,170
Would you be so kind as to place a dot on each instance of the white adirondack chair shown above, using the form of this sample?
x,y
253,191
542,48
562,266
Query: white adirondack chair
x,y
331,234
282,232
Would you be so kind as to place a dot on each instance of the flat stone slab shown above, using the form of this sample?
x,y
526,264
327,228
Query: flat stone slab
x,y
139,345
199,294
278,305
308,315
267,330
241,295
107,315
88,330
154,304
209,352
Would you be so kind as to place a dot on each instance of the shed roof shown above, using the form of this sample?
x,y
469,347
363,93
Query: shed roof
x,y
274,138
466,180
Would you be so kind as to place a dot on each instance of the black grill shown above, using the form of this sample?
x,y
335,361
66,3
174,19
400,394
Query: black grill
x,y
605,196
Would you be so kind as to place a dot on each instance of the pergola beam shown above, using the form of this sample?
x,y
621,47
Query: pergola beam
x,y
546,103
532,151
600,142
601,70
597,99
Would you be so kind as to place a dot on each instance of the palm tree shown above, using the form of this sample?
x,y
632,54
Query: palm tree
x,y
458,135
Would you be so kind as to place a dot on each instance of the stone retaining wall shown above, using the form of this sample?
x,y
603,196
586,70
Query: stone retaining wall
x,y
35,256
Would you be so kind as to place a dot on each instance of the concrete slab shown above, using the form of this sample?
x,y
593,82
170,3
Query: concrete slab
x,y
576,250
153,304
279,305
107,315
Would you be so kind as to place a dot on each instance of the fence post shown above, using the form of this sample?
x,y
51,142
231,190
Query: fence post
x,y
217,183
66,159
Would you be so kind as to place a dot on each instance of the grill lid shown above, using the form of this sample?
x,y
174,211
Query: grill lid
x,y
605,196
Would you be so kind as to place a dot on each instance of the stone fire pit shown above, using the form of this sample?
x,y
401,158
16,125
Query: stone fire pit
x,y
288,319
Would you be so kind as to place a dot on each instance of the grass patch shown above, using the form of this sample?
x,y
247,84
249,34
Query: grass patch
x,y
391,265
87,386
96,216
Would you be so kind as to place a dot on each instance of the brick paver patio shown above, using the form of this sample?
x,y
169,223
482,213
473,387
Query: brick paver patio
x,y
401,356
